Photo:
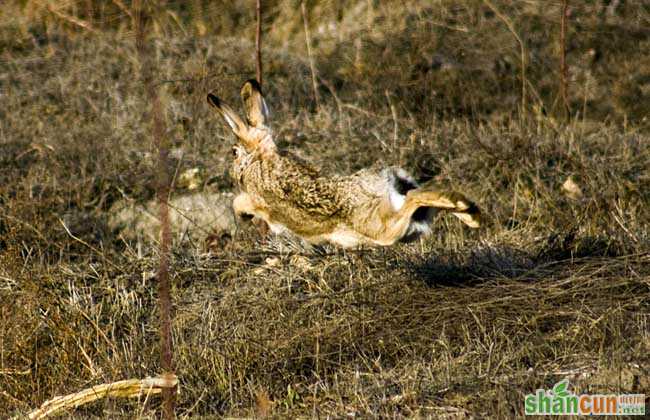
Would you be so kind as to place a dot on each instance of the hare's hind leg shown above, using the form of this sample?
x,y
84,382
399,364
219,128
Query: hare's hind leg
x,y
451,201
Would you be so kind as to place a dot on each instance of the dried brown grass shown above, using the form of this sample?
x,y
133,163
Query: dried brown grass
x,y
462,324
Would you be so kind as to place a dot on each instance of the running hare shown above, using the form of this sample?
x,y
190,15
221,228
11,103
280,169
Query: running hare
x,y
370,207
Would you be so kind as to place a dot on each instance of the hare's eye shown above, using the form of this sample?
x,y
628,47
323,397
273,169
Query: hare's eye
x,y
234,151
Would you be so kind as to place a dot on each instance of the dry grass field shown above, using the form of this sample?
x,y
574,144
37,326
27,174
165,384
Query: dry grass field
x,y
461,324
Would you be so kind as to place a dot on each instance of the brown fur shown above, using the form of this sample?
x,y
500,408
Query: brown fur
x,y
288,194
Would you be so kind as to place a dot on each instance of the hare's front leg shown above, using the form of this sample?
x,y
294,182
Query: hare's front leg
x,y
243,206
245,210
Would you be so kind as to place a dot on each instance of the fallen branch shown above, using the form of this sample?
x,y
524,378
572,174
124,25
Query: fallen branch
x,y
130,388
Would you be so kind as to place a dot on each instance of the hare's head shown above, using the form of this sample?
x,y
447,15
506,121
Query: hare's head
x,y
255,138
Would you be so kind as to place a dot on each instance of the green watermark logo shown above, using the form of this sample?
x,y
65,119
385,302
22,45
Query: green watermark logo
x,y
560,400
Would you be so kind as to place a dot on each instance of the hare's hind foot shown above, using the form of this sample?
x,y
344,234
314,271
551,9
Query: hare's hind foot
x,y
471,217
452,201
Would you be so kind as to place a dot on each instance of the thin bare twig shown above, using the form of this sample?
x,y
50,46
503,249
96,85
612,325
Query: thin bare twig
x,y
312,67
81,241
564,71
74,20
258,42
522,51
123,8
393,113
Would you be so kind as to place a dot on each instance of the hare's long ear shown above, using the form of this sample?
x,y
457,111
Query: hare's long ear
x,y
257,113
236,124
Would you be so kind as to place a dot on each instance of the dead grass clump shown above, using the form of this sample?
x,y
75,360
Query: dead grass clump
x,y
464,323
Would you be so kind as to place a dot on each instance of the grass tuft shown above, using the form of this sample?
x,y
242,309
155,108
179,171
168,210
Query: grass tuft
x,y
462,324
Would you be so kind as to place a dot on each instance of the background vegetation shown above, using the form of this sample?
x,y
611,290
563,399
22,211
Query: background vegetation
x,y
461,324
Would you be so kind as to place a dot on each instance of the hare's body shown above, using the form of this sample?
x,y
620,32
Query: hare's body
x,y
370,207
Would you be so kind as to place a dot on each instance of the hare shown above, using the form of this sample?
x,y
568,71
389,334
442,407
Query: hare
x,y
370,207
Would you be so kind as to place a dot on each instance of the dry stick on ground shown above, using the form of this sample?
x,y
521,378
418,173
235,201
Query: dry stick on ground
x,y
564,71
258,42
130,388
163,189
311,58
522,51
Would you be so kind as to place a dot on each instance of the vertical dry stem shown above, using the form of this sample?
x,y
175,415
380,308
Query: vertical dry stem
x,y
311,58
258,41
564,71
522,52
162,189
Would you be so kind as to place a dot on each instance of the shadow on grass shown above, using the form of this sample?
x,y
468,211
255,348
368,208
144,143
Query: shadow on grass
x,y
492,263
